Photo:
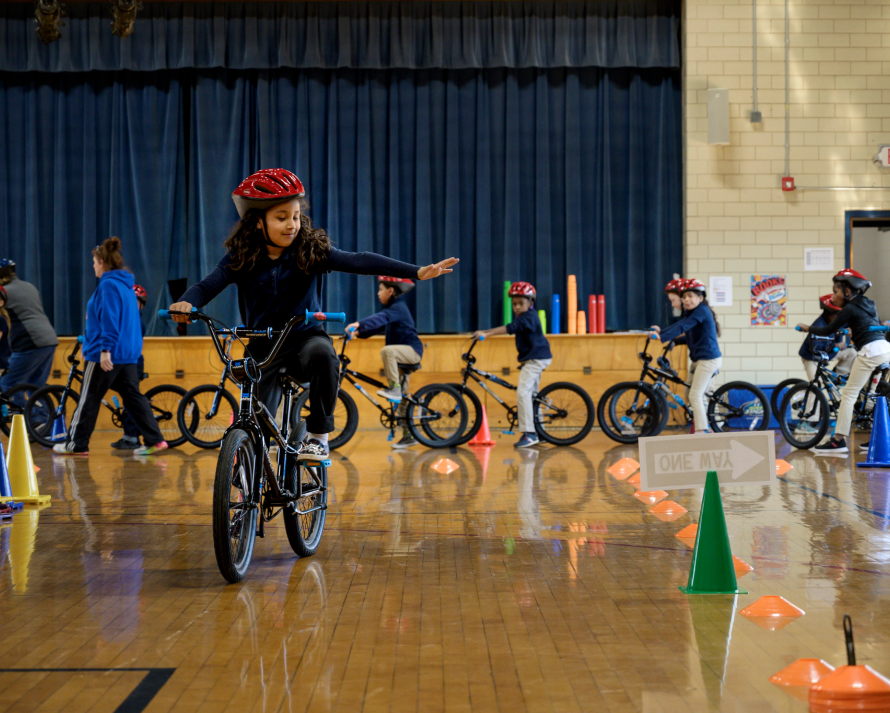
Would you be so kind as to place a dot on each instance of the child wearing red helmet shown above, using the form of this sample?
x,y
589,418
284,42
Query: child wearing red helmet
x,y
278,260
534,355
672,290
858,313
403,346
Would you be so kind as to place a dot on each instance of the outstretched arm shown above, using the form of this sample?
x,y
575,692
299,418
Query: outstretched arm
x,y
437,269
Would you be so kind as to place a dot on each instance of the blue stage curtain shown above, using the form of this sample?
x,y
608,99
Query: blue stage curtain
x,y
358,35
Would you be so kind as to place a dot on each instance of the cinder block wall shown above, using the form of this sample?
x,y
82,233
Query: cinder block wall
x,y
738,222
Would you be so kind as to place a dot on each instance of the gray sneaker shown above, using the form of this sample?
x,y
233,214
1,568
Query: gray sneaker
x,y
394,394
406,442
314,449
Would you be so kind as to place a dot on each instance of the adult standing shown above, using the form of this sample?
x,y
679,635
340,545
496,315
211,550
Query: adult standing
x,y
112,345
32,339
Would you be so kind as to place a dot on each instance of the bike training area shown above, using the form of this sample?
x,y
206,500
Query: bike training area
x,y
591,151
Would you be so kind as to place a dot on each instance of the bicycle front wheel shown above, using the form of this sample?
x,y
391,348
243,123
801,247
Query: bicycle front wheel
x,y
564,413
48,406
437,416
15,400
738,406
779,392
804,415
164,401
234,513
205,413
304,518
630,410
474,413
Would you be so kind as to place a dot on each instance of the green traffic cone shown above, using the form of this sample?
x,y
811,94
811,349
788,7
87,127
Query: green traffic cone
x,y
712,571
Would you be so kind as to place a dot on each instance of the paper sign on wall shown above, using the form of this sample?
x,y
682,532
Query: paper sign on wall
x,y
720,291
818,259
768,298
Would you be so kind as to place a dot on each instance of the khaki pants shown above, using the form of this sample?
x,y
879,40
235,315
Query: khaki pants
x,y
859,376
529,380
702,373
392,356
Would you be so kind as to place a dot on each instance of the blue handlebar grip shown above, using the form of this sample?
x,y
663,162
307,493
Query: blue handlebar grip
x,y
798,329
325,316
164,314
481,337
80,339
878,328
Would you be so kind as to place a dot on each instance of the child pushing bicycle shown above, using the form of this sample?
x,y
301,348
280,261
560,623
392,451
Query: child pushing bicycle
x,y
534,355
403,346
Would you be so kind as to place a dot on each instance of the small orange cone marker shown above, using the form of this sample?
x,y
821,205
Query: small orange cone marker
x,y
634,479
483,437
741,567
668,511
797,678
445,466
850,687
623,468
782,467
772,612
650,497
687,535
20,466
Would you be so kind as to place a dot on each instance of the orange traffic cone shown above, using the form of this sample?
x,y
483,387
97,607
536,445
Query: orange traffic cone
x,y
483,437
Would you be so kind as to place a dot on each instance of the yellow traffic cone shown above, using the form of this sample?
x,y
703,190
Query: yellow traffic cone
x,y
21,546
20,466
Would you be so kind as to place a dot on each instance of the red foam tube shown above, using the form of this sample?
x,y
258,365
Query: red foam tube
x,y
601,314
591,314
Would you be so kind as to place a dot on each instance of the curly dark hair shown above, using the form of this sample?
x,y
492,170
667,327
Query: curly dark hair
x,y
246,243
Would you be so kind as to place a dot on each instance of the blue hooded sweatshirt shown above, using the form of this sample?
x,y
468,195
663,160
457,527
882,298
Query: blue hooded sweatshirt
x,y
113,322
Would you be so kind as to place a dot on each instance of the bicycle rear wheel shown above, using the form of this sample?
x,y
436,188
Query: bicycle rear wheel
x,y
437,416
304,519
564,413
164,401
44,408
630,410
345,417
199,422
16,400
234,515
738,406
779,392
804,416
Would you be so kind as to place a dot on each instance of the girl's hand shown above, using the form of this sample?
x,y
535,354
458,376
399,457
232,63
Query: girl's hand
x,y
105,362
440,268
655,328
479,334
180,307
803,327
352,327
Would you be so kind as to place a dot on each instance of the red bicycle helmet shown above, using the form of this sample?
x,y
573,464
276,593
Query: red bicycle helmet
x,y
267,188
693,285
141,294
3,294
400,284
674,285
855,280
522,289
826,302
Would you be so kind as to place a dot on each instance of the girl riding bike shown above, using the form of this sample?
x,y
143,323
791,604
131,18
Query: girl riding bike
x,y
278,260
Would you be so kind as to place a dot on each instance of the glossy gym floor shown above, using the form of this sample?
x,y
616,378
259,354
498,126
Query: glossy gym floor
x,y
457,580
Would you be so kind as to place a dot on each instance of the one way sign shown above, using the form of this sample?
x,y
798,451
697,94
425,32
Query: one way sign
x,y
677,462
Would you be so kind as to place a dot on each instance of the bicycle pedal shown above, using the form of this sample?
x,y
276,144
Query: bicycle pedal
x,y
395,401
317,463
389,438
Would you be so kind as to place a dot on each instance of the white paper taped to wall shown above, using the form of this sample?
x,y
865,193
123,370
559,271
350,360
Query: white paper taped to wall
x,y
818,259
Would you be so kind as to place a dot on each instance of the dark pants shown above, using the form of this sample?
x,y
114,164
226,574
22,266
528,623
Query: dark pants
x,y
123,378
31,366
308,355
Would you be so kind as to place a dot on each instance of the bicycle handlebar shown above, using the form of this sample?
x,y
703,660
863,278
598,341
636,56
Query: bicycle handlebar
x,y
879,328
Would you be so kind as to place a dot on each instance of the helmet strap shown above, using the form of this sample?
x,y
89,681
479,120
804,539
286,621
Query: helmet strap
x,y
266,237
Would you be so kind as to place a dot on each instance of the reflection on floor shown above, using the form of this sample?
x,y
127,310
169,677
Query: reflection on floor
x,y
485,580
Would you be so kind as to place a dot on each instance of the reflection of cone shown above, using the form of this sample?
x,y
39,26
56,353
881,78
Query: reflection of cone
x,y
21,546
483,437
772,612
712,571
797,678
879,489
483,455
851,688
879,444
60,432
5,487
712,621
21,467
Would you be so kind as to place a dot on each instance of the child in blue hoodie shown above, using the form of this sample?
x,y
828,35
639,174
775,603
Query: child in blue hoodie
x,y
403,346
111,349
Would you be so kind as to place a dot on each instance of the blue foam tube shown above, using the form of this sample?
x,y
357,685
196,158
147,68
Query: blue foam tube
x,y
555,316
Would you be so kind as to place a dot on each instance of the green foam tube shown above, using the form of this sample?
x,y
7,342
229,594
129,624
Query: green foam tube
x,y
508,303
542,315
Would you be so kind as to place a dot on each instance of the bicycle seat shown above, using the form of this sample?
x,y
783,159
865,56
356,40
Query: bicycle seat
x,y
408,368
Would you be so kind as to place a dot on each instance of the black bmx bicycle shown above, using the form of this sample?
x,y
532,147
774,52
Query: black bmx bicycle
x,y
809,408
49,411
12,403
630,410
248,489
435,415
563,412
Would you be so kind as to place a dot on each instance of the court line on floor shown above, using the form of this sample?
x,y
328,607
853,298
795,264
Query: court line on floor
x,y
833,497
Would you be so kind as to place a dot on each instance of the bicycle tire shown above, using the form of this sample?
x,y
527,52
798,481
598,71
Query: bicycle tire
x,y
236,453
778,395
650,411
756,415
419,415
6,419
190,416
476,403
304,531
340,436
167,415
48,397
791,427
551,395
665,412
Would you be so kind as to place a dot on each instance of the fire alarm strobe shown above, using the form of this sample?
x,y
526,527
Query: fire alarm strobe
x,y
788,183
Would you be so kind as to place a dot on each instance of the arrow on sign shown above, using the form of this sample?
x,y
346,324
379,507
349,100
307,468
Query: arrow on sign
x,y
739,458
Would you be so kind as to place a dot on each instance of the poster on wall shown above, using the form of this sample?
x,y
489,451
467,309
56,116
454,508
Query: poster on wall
x,y
768,298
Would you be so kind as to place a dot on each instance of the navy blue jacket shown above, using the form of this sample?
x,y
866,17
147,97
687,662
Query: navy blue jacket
x,y
273,291
396,322
806,352
113,322
530,340
858,314
5,351
701,333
